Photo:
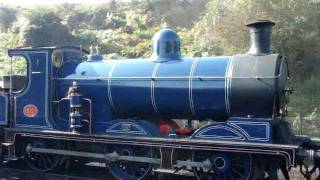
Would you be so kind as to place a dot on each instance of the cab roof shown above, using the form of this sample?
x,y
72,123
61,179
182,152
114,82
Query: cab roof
x,y
19,49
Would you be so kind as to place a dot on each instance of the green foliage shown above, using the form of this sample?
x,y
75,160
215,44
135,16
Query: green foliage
x,y
222,31
45,29
10,40
7,17
306,97
296,34
86,37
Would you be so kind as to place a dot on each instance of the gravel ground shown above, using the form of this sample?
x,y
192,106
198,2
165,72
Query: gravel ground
x,y
296,175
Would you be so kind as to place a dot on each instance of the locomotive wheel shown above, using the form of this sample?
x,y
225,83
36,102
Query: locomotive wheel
x,y
231,166
124,170
39,161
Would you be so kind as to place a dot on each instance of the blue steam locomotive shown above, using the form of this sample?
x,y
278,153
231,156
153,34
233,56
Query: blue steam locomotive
x,y
218,117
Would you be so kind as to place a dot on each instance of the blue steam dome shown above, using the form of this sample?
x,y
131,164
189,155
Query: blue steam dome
x,y
166,45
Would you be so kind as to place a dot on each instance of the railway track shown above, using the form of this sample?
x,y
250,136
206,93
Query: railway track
x,y
17,170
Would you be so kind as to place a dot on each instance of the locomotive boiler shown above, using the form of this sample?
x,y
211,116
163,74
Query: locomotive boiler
x,y
168,85
218,117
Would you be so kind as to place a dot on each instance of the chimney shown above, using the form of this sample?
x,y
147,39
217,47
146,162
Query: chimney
x,y
260,37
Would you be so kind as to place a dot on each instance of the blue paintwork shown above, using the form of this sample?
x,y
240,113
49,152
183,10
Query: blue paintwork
x,y
144,88
121,89
209,95
38,91
126,127
166,46
123,127
4,107
130,85
95,58
237,129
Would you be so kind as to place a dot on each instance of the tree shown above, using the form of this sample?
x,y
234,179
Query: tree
x,y
76,20
7,17
45,29
296,34
98,19
222,31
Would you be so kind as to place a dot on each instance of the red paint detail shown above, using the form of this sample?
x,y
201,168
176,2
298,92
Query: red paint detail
x,y
165,129
184,131
30,110
166,125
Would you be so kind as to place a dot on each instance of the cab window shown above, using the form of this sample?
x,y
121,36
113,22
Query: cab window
x,y
19,74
